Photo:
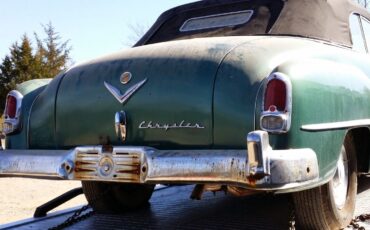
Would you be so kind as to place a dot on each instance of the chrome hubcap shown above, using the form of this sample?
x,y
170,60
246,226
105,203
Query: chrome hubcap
x,y
340,180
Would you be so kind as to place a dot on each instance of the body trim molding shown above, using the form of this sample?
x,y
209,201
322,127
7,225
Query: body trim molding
x,y
336,125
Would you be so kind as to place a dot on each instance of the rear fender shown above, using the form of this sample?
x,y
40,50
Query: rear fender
x,y
323,92
30,91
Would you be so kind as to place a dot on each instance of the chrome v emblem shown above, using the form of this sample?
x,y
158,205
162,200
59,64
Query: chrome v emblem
x,y
122,98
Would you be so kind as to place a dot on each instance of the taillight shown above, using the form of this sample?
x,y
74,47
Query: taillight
x,y
12,112
11,107
275,95
277,103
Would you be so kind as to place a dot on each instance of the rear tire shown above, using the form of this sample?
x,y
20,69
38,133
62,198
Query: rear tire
x,y
112,198
330,206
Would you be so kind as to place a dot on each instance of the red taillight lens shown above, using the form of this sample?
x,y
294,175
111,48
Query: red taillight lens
x,y
275,95
11,107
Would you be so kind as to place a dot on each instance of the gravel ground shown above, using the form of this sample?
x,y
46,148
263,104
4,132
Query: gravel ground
x,y
20,197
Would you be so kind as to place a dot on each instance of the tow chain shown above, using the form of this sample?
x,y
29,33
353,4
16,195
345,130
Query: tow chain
x,y
78,216
75,218
358,219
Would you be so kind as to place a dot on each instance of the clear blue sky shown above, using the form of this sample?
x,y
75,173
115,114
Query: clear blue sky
x,y
94,27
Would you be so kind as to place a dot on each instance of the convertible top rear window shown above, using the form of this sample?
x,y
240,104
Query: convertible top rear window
x,y
227,19
217,21
320,19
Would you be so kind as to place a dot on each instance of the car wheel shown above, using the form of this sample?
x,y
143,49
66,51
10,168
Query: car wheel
x,y
106,197
330,206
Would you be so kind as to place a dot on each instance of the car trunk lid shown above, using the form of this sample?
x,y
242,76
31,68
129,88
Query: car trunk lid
x,y
165,90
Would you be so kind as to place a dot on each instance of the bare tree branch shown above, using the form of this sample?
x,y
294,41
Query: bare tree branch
x,y
364,3
137,31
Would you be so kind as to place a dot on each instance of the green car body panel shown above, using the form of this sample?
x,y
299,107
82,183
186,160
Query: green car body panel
x,y
177,77
30,90
213,87
218,87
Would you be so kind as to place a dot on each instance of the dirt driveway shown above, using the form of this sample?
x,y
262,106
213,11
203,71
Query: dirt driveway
x,y
20,197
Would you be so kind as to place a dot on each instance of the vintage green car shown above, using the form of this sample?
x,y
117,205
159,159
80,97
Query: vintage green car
x,y
241,95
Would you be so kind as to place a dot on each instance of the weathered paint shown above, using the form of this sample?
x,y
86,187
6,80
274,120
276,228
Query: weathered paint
x,y
327,91
179,89
315,102
237,83
30,90
41,133
215,82
31,85
329,84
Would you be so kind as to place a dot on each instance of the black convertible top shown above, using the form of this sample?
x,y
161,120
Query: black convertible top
x,y
322,19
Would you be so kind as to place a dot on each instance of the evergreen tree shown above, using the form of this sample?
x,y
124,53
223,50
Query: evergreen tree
x,y
24,63
6,76
52,54
6,72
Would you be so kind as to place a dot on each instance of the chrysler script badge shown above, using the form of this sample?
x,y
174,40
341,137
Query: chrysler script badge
x,y
166,127
123,98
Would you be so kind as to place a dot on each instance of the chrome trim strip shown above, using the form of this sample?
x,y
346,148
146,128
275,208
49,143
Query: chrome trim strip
x,y
336,125
123,98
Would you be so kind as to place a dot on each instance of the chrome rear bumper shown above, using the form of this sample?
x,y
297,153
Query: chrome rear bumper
x,y
259,168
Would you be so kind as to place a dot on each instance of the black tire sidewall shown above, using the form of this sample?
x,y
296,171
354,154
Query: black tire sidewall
x,y
316,209
344,215
105,197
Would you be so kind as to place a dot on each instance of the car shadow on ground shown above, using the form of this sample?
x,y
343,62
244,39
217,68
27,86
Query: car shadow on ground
x,y
363,184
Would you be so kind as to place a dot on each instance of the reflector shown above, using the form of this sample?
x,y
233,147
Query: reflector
x,y
272,123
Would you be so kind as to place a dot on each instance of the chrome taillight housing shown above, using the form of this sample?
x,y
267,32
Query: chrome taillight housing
x,y
276,104
12,112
